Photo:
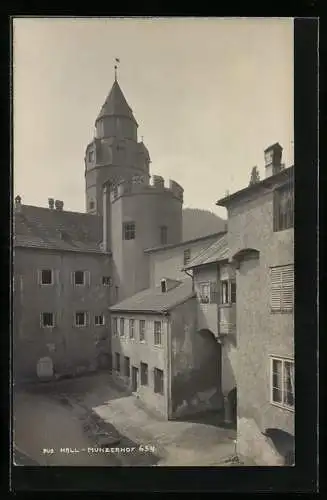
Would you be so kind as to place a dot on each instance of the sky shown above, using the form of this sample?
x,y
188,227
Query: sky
x,y
209,96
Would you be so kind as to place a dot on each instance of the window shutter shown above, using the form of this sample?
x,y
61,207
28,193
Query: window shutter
x,y
72,278
287,279
276,286
213,293
39,276
88,278
41,324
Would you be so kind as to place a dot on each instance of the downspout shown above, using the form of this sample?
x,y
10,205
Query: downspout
x,y
168,367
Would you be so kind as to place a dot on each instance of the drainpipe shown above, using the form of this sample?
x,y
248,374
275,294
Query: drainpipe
x,y
168,365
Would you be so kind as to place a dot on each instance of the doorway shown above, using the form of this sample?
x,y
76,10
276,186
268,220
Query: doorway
x,y
135,377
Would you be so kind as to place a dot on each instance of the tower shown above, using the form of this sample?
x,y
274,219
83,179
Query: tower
x,y
115,153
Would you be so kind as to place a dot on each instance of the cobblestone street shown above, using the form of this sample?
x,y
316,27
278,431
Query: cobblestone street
x,y
91,414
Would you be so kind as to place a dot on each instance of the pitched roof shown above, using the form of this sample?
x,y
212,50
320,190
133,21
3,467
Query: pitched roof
x,y
269,183
116,104
218,251
153,300
38,227
183,243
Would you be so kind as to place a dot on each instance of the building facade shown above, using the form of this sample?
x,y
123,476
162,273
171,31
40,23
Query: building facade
x,y
260,242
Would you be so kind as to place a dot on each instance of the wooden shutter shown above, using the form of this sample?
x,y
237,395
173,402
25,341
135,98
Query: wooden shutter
x,y
87,278
213,293
276,287
39,276
287,279
72,278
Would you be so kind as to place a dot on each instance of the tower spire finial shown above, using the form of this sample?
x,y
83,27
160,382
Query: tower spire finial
x,y
117,61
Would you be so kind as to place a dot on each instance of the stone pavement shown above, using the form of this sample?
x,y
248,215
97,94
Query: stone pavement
x,y
175,442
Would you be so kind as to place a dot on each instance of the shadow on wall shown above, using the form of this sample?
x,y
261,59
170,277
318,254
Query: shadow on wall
x,y
198,389
283,443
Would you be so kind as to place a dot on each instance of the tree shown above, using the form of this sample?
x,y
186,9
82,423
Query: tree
x,y
255,177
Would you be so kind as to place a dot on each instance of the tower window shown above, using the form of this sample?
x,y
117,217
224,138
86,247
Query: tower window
x,y
163,235
91,156
91,205
129,230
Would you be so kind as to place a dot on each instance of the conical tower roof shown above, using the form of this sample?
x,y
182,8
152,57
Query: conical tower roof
x,y
116,104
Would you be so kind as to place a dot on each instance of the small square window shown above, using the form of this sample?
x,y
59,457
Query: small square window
x,y
99,320
80,319
163,235
79,278
144,374
187,256
106,280
47,319
46,277
158,381
129,231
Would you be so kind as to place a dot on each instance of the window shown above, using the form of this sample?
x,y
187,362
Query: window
x,y
46,277
224,292
144,374
282,288
158,381
115,326
129,231
117,362
91,205
284,208
115,191
204,289
282,382
122,327
127,370
142,330
233,292
131,328
163,235
157,333
187,256
106,280
47,320
91,156
80,319
99,320
79,278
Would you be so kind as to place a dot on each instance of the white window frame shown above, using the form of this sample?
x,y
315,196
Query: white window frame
x,y
84,277
42,322
229,291
202,295
156,333
85,317
283,360
40,277
144,331
99,316
281,289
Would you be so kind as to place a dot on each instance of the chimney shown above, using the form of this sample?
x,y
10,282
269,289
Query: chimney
x,y
18,203
273,159
59,205
51,203
163,286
